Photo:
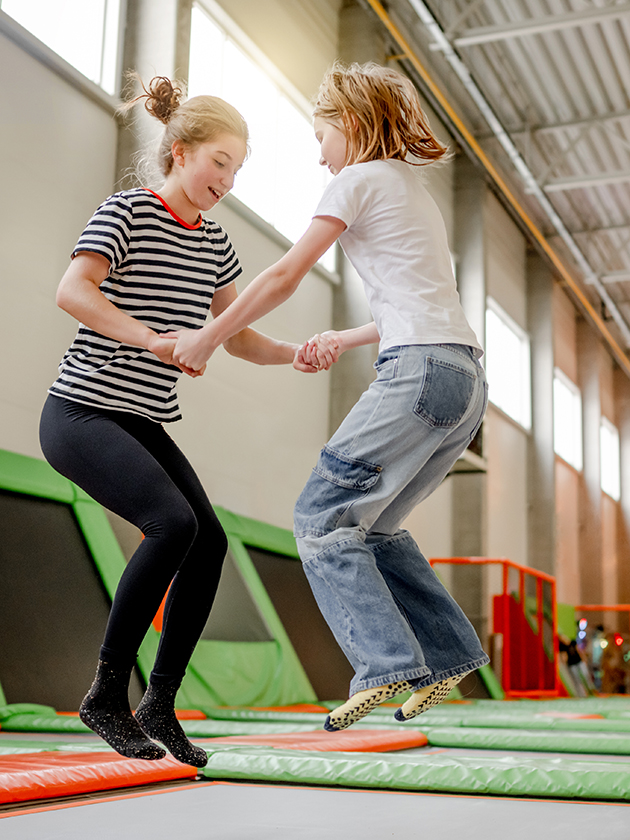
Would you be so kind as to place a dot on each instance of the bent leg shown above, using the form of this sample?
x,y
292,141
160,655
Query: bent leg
x,y
421,411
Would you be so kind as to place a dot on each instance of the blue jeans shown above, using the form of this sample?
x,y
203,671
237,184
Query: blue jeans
x,y
385,605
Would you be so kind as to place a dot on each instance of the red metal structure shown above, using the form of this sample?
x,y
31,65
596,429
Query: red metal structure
x,y
524,613
603,608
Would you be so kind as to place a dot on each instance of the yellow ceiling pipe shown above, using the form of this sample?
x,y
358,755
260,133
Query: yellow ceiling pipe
x,y
563,271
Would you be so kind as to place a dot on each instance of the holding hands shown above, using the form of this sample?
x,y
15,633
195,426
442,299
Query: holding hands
x,y
189,350
318,353
163,346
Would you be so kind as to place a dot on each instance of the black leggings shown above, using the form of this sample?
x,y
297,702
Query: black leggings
x,y
130,465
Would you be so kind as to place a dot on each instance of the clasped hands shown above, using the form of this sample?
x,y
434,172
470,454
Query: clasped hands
x,y
181,349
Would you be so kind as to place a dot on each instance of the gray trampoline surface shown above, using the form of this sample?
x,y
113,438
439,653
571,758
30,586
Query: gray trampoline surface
x,y
205,811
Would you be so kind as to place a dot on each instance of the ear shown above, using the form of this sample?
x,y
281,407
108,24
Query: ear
x,y
178,151
353,121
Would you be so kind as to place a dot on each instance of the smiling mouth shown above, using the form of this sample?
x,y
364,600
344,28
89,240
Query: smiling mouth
x,y
217,195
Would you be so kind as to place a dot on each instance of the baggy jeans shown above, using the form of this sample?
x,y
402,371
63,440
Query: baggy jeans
x,y
385,605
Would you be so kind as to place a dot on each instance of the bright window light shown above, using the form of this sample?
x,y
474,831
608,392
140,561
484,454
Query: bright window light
x,y
508,365
567,419
610,459
83,32
282,180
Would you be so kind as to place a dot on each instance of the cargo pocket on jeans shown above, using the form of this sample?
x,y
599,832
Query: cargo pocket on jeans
x,y
446,393
335,483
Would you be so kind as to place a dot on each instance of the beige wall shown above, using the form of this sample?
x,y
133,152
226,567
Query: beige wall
x,y
58,152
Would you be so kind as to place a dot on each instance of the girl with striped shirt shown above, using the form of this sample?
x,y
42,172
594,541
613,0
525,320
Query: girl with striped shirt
x,y
149,263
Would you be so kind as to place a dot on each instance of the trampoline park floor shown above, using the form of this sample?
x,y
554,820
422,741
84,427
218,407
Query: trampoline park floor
x,y
199,809
245,811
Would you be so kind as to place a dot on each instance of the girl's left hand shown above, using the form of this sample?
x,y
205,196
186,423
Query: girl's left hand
x,y
188,352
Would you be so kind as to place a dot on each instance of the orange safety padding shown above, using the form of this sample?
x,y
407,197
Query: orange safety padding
x,y
366,740
180,714
51,774
571,715
189,714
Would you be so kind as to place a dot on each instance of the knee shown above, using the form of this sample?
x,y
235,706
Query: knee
x,y
212,535
177,524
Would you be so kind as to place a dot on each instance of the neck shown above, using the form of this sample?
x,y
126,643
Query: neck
x,y
178,201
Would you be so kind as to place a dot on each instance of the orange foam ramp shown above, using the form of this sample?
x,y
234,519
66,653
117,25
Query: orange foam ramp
x,y
356,740
51,774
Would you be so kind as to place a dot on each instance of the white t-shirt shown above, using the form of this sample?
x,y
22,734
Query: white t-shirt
x,y
396,240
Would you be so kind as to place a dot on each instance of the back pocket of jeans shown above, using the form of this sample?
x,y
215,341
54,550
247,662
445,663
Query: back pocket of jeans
x,y
446,393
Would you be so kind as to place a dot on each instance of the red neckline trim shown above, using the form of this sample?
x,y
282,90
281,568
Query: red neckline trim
x,y
174,215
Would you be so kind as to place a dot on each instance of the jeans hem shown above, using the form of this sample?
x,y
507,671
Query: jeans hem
x,y
411,675
452,672
418,677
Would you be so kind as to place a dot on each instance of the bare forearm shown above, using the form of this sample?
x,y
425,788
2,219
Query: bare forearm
x,y
267,291
85,302
260,349
357,337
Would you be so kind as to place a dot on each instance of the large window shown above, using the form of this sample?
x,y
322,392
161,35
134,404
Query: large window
x,y
83,32
282,180
508,365
567,419
610,459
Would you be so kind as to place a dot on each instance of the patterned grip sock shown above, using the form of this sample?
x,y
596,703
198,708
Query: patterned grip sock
x,y
156,715
425,698
361,704
106,711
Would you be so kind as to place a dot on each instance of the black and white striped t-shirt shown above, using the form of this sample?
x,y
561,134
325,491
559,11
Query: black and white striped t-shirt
x,y
164,273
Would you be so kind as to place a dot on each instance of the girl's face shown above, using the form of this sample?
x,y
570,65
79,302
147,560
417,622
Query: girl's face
x,y
334,146
206,173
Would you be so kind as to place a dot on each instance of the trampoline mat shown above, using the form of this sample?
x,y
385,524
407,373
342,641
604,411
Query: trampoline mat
x,y
244,811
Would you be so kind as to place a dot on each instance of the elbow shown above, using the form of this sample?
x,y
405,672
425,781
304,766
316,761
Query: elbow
x,y
63,299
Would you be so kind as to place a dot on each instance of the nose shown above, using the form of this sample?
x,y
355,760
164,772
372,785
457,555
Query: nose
x,y
322,161
227,179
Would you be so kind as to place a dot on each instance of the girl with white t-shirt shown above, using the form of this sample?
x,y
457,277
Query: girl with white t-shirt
x,y
398,626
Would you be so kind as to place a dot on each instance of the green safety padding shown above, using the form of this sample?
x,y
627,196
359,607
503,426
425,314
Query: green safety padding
x,y
511,776
44,723
24,708
581,705
224,673
439,717
492,684
11,746
595,743
565,616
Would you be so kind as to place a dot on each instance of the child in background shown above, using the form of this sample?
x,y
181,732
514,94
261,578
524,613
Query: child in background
x,y
398,626
146,264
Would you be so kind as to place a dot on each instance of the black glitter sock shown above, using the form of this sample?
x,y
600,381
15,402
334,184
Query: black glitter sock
x,y
156,715
105,709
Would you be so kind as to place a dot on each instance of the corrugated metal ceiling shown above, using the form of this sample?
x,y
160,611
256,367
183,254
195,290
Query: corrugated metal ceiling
x,y
556,74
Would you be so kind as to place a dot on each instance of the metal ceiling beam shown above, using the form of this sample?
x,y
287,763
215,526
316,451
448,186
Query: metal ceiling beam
x,y
597,121
536,26
462,129
596,230
575,182
616,276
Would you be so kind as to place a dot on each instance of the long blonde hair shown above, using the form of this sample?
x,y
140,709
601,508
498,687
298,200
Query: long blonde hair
x,y
379,111
193,121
